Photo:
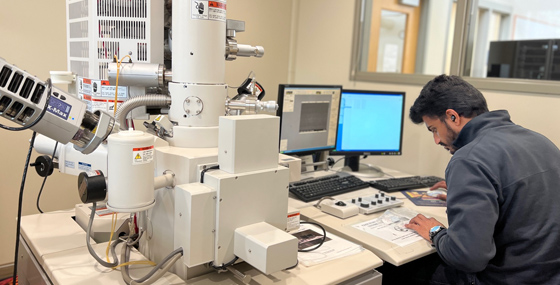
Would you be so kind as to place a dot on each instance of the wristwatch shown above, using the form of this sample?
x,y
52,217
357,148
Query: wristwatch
x,y
434,231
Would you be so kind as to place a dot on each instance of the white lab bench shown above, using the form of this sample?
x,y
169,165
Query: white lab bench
x,y
54,251
390,252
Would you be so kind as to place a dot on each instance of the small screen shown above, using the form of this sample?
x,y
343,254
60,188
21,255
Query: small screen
x,y
308,117
370,122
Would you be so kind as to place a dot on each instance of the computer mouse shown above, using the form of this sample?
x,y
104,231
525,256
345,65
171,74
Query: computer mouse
x,y
436,192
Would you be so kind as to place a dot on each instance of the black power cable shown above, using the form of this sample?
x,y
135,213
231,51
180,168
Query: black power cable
x,y
45,180
322,240
20,202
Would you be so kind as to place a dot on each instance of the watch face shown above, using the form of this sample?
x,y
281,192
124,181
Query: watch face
x,y
435,229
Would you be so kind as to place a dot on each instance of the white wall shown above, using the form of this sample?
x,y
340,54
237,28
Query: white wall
x,y
323,52
33,35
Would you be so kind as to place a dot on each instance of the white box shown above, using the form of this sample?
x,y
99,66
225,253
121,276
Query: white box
x,y
265,247
293,163
248,143
195,210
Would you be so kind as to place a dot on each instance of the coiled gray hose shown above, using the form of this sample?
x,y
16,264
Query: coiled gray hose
x,y
152,100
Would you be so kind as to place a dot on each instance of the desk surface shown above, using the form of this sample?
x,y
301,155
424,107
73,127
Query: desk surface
x,y
58,243
390,252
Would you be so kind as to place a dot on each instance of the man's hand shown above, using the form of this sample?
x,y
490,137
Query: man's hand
x,y
422,225
443,185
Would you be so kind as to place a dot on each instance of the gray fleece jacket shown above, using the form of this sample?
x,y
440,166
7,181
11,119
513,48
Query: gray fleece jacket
x,y
503,204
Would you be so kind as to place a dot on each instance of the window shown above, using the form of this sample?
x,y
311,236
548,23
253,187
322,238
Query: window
x,y
502,45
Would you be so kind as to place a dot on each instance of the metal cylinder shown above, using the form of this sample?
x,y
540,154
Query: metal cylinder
x,y
130,171
248,50
137,74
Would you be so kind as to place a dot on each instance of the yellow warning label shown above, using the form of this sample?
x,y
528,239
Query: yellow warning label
x,y
138,156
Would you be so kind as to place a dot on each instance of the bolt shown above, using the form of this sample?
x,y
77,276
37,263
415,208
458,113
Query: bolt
x,y
188,100
188,111
249,251
197,100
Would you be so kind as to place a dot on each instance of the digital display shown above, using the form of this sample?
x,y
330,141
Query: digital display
x,y
59,108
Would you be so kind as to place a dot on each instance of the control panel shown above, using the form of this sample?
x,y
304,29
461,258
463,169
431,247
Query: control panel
x,y
374,203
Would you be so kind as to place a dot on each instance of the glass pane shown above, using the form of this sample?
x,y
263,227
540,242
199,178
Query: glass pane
x,y
406,38
516,39
391,41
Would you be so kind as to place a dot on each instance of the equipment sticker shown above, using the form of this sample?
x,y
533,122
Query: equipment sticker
x,y
84,166
208,10
142,155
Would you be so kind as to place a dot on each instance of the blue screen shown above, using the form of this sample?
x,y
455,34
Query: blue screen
x,y
370,122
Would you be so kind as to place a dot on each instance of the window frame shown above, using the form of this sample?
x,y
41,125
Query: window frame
x,y
461,58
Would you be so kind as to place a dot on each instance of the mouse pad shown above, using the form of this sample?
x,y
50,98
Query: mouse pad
x,y
420,198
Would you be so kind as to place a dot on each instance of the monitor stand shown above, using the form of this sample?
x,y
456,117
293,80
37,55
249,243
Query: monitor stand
x,y
352,165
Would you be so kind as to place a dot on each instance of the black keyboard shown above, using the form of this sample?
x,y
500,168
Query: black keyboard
x,y
316,188
405,183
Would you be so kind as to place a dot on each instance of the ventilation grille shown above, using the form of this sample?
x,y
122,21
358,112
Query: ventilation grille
x,y
79,29
122,29
142,49
107,50
119,8
78,10
80,67
103,71
79,49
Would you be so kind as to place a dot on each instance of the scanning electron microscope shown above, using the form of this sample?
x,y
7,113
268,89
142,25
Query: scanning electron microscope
x,y
203,183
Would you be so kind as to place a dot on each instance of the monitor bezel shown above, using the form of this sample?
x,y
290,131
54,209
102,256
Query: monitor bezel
x,y
335,152
280,101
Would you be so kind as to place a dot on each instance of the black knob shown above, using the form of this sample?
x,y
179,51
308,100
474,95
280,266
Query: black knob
x,y
364,205
353,201
359,199
393,198
382,194
44,165
387,199
340,203
373,203
380,201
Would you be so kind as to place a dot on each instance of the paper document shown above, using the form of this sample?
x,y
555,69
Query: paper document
x,y
390,227
334,247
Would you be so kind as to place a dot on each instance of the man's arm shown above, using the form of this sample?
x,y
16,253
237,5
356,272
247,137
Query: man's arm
x,y
472,210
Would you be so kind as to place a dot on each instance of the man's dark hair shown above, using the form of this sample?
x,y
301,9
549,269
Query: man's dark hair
x,y
447,92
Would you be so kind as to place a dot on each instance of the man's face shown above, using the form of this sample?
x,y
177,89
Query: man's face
x,y
443,134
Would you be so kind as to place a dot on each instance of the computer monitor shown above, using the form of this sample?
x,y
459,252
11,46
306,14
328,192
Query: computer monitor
x,y
369,123
308,118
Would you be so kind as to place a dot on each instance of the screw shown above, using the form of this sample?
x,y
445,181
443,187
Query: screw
x,y
188,100
197,100
188,111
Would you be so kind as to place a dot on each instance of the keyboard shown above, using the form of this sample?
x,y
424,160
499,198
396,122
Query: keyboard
x,y
314,189
405,183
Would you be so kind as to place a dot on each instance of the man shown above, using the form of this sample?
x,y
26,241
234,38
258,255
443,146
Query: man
x,y
503,191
